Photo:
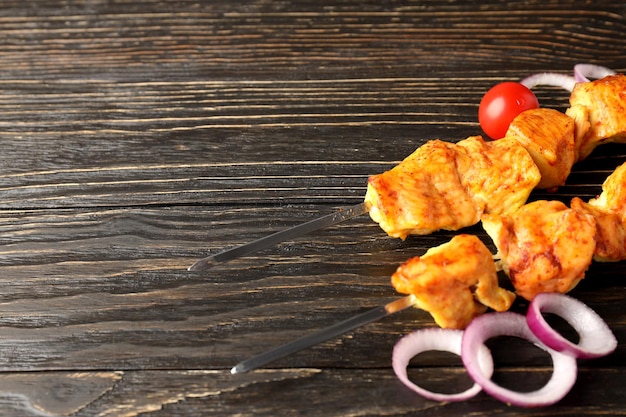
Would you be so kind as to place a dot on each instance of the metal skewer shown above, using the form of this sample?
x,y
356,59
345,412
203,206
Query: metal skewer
x,y
324,334
281,236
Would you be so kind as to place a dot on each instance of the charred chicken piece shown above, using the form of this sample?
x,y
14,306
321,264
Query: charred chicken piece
x,y
449,186
613,196
454,282
599,110
498,175
609,211
610,234
548,135
544,246
422,194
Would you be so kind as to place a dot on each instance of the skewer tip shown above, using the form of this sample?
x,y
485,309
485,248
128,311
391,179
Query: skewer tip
x,y
238,369
200,265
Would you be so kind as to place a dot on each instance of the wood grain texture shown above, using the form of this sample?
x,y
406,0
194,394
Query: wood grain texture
x,y
141,135
291,391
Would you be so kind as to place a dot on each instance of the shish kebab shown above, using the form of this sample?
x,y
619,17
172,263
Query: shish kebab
x,y
457,281
543,160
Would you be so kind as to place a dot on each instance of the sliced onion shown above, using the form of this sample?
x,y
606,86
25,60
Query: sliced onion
x,y
491,325
595,336
551,79
446,340
583,72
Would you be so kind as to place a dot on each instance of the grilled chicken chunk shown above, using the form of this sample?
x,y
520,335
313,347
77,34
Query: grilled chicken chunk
x,y
422,194
599,110
613,196
449,186
454,282
609,211
610,234
544,246
498,175
548,135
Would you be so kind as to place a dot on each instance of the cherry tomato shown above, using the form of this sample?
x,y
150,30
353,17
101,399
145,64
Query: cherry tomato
x,y
502,103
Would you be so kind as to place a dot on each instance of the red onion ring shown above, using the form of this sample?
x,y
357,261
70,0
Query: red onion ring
x,y
551,79
491,325
595,337
447,340
583,72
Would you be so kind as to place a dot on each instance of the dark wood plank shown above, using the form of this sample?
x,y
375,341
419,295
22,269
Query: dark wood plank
x,y
288,391
140,135
300,40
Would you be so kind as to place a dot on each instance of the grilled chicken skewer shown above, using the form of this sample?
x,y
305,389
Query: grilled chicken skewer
x,y
450,186
543,247
456,282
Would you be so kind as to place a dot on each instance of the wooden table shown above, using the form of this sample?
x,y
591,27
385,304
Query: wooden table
x,y
141,135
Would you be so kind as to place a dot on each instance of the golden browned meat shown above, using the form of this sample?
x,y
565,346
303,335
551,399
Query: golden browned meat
x,y
599,110
454,282
548,135
613,196
609,211
544,246
422,194
498,175
449,186
610,234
